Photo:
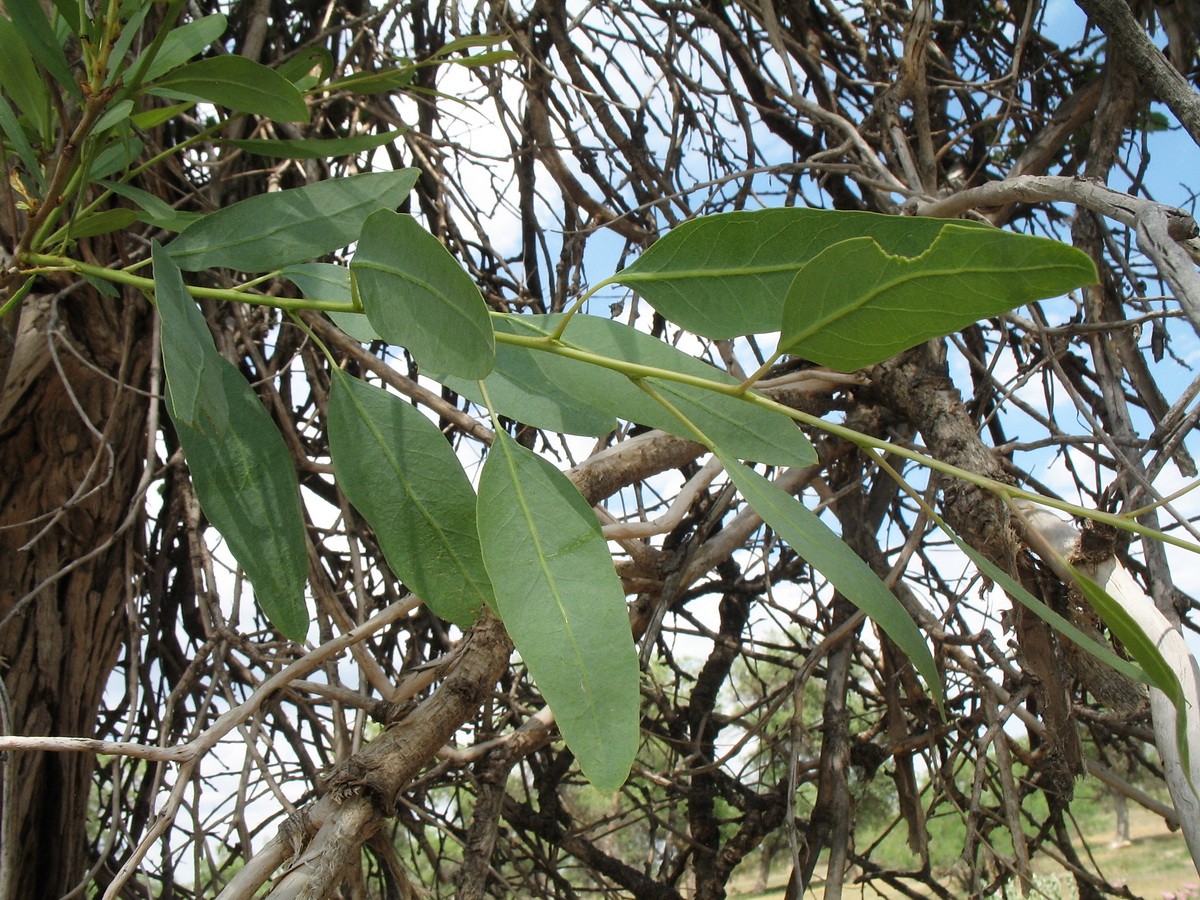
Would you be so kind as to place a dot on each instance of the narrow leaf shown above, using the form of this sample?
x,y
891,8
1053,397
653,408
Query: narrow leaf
x,y
854,304
317,149
181,44
563,606
240,466
115,114
1063,626
246,486
271,231
21,80
190,358
122,150
299,70
727,275
16,135
104,222
151,118
237,83
36,34
401,473
822,549
417,295
374,82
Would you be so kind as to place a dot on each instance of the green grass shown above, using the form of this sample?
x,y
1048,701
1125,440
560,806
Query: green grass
x,y
1154,865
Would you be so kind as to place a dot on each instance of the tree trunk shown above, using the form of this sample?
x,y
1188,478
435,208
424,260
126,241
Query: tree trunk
x,y
72,449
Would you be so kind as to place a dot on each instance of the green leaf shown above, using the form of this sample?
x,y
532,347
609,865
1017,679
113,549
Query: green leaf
x,y
117,155
237,83
1063,626
241,468
316,149
16,135
401,473
484,59
828,554
563,606
733,423
417,295
727,275
469,42
157,212
520,389
37,35
271,231
181,44
1145,651
104,222
21,81
152,118
190,358
331,284
247,488
374,82
854,305
299,69
326,282
115,114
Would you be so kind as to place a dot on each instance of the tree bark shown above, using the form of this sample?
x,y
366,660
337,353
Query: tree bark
x,y
72,449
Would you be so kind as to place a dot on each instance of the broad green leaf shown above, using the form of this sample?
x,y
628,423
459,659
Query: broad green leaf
x,y
417,295
563,606
828,554
240,466
37,35
401,473
732,423
321,281
727,275
190,358
246,486
316,148
181,44
21,81
520,389
271,231
331,284
237,83
16,135
854,305
104,222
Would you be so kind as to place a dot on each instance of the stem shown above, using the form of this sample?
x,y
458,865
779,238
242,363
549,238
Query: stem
x,y
44,262
578,305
